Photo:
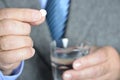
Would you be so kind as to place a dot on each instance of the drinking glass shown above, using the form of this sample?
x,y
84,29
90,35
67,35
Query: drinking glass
x,y
63,54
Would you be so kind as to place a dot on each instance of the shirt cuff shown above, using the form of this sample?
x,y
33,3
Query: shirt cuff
x,y
16,73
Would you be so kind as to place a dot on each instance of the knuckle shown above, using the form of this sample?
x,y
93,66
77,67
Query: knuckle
x,y
6,57
5,23
7,41
6,26
3,44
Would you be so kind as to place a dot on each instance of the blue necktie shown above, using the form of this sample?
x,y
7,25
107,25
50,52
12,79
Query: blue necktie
x,y
57,13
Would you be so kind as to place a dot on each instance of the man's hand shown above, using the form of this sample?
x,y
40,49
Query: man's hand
x,y
15,43
102,64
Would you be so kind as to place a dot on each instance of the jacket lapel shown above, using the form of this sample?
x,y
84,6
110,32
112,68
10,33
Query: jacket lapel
x,y
73,24
80,20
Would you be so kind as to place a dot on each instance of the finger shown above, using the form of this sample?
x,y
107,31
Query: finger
x,y
88,73
26,15
15,42
12,27
42,19
38,22
98,57
13,56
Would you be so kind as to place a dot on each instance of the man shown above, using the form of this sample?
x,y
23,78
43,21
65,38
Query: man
x,y
97,21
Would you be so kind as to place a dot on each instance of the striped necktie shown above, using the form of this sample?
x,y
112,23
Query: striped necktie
x,y
57,16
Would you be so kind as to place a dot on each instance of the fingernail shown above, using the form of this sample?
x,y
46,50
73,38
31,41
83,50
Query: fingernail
x,y
67,76
43,12
33,51
77,65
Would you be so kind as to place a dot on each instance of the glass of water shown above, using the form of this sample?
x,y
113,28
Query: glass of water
x,y
63,53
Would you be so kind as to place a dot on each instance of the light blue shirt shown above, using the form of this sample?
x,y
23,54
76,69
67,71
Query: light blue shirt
x,y
18,71
43,3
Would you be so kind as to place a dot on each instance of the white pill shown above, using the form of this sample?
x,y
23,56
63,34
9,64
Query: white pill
x,y
43,12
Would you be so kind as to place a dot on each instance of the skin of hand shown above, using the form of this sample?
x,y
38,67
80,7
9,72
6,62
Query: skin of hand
x,y
15,42
101,64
